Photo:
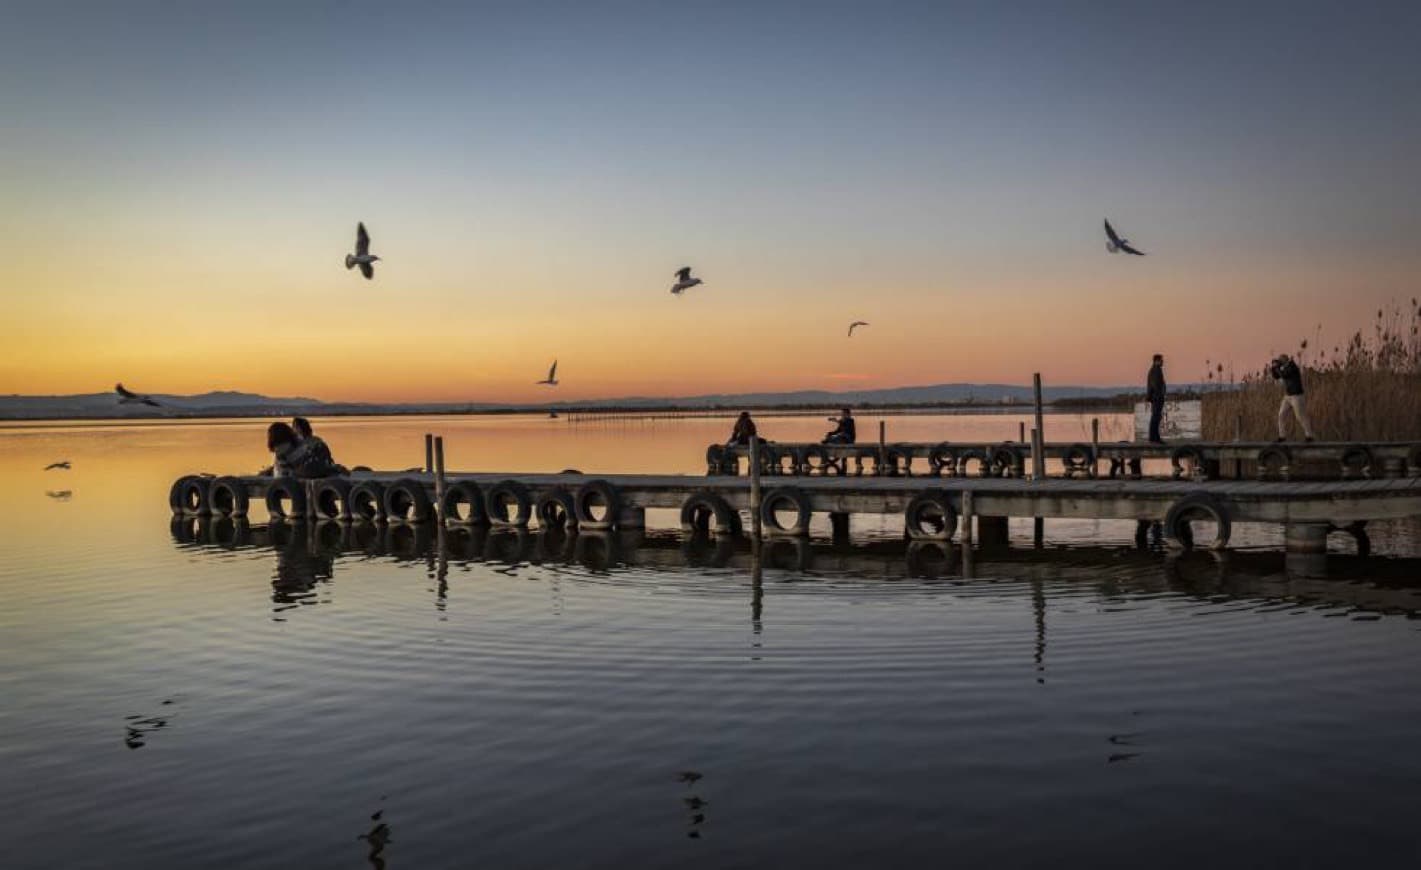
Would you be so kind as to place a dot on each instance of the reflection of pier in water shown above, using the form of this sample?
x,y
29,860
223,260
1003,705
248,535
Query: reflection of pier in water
x,y
308,555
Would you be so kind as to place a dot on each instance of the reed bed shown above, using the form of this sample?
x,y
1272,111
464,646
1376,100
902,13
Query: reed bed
x,y
1368,389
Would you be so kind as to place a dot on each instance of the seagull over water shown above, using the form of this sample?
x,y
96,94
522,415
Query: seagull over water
x,y
128,397
855,325
1116,244
552,379
63,465
684,281
362,256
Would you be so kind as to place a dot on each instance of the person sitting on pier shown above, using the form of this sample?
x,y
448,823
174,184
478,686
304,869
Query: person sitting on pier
x,y
844,432
293,457
1286,370
319,453
742,433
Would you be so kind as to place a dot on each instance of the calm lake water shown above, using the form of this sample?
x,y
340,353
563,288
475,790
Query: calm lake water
x,y
214,695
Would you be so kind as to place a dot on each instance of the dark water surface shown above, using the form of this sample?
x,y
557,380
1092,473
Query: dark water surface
x,y
217,695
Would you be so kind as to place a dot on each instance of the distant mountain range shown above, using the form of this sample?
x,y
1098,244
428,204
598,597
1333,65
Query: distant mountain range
x,y
234,404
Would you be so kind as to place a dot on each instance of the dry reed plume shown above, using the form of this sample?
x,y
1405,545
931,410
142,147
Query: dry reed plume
x,y
1367,390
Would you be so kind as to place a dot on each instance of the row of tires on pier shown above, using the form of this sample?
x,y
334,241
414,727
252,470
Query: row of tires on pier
x,y
1008,459
595,505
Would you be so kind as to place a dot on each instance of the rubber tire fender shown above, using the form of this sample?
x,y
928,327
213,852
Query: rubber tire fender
x,y
330,498
942,459
291,488
496,509
795,496
1350,461
701,507
1176,521
1005,461
914,515
1079,457
457,494
549,504
406,501
366,501
227,497
1181,453
1274,451
968,455
583,501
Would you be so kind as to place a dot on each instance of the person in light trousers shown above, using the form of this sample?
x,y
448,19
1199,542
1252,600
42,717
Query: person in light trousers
x,y
1286,370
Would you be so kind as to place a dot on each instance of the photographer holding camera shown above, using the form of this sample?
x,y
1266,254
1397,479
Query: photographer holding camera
x,y
1286,370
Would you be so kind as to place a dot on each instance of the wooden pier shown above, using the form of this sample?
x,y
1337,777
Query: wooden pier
x,y
933,508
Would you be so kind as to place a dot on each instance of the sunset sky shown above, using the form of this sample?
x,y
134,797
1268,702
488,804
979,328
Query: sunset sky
x,y
179,184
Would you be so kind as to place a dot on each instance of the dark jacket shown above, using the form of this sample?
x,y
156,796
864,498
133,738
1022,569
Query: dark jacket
x,y
1291,376
1154,384
846,430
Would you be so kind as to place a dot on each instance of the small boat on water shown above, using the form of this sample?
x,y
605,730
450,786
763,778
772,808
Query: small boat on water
x,y
553,414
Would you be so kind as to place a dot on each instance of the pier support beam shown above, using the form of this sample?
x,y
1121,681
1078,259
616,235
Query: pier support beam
x,y
839,527
992,531
1306,537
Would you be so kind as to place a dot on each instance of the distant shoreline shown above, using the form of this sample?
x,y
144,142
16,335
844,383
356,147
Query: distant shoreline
x,y
591,412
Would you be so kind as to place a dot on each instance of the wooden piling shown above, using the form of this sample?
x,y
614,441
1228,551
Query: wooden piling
x,y
1021,432
1094,446
967,517
882,445
429,452
755,487
1038,460
439,471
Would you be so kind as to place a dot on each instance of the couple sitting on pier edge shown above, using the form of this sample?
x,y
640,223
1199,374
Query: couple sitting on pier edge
x,y
297,452
844,432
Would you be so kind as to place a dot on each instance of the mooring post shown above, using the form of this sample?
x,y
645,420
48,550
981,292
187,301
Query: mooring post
x,y
882,444
1039,459
1038,532
439,473
967,518
1094,446
429,452
1021,431
755,487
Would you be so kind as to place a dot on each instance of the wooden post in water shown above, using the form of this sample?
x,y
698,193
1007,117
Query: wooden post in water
x,y
1038,459
1238,436
755,488
882,444
1094,446
967,518
429,452
1021,432
439,473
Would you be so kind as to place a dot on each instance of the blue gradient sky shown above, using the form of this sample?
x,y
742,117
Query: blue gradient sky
x,y
181,174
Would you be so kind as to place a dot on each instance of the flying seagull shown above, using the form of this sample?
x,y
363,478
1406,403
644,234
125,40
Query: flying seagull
x,y
64,465
552,378
855,325
362,256
1117,244
684,281
128,397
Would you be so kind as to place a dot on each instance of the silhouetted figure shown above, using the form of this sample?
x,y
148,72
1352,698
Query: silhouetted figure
x,y
744,430
845,432
1285,370
293,456
1155,391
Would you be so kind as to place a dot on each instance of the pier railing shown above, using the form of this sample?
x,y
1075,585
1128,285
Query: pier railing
x,y
1197,460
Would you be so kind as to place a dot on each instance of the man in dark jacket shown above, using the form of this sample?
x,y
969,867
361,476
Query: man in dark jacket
x,y
1154,392
845,432
1285,370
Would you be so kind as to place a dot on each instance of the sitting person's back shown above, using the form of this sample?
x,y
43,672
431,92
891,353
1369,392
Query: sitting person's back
x,y
293,457
845,432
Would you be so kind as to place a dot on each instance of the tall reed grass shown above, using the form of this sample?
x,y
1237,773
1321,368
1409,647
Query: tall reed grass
x,y
1368,389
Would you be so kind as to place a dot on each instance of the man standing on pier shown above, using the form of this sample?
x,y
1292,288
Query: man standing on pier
x,y
1154,392
1286,370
